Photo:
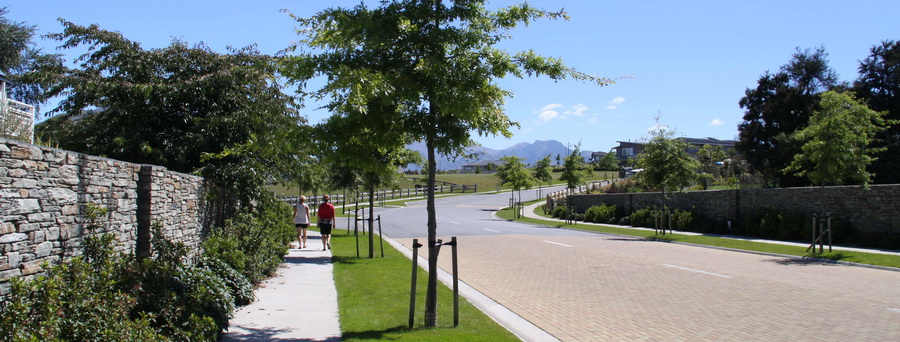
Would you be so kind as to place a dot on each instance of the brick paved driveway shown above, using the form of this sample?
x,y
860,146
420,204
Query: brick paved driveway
x,y
606,288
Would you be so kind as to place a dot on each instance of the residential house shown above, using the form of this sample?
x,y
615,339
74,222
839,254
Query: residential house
x,y
482,166
596,156
629,149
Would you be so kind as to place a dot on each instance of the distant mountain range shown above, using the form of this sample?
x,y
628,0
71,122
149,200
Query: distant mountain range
x,y
530,152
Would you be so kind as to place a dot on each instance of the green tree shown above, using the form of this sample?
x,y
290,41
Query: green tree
x,y
18,55
708,156
543,172
574,171
836,144
437,61
189,109
878,86
609,162
354,141
516,175
780,104
666,164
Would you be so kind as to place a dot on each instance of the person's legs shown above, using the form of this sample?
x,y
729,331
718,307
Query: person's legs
x,y
325,230
300,236
303,236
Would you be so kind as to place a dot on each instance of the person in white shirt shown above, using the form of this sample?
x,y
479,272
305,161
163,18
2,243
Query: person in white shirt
x,y
301,220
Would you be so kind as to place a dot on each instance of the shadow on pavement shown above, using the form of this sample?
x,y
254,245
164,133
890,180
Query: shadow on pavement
x,y
803,261
317,260
269,334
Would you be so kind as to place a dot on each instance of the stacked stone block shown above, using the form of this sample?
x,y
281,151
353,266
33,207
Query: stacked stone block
x,y
44,193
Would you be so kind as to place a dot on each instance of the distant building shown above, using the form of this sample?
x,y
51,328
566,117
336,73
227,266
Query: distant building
x,y
596,156
482,166
629,149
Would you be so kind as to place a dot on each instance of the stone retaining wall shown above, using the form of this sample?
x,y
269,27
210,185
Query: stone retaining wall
x,y
874,210
44,193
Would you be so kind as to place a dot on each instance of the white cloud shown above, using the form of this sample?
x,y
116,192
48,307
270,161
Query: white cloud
x,y
577,110
717,122
657,128
549,112
614,104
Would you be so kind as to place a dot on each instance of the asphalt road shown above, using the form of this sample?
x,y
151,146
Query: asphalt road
x,y
582,286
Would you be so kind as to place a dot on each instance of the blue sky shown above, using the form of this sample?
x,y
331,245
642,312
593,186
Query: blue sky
x,y
688,62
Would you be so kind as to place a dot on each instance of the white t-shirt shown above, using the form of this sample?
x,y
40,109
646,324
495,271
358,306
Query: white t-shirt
x,y
302,217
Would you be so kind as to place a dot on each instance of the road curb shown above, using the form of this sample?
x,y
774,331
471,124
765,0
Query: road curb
x,y
522,328
812,259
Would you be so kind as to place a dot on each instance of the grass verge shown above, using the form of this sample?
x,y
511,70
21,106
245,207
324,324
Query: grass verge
x,y
847,256
373,300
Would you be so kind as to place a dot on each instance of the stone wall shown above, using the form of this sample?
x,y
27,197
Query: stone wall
x,y
873,210
44,193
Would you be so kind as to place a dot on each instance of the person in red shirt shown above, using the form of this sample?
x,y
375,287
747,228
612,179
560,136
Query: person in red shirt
x,y
326,221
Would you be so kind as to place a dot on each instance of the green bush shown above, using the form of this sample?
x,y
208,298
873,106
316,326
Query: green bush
x,y
189,303
240,287
643,218
76,300
560,212
255,241
771,223
682,220
601,214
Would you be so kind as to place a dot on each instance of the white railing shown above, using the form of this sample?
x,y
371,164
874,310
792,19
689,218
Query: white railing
x,y
17,120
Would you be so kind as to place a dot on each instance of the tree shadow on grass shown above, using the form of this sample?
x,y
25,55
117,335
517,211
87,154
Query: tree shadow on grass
x,y
337,259
375,335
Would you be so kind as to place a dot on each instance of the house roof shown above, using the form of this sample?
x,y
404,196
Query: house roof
x,y
693,141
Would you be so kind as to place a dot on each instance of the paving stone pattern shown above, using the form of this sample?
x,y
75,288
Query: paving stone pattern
x,y
615,289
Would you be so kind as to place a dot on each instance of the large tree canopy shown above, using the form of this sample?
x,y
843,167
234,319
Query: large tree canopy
x,y
780,104
18,55
835,146
186,108
878,86
436,60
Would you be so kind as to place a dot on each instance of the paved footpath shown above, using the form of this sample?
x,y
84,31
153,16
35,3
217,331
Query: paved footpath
x,y
298,304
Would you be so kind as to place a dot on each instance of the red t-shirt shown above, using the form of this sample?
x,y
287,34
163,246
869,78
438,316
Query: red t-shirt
x,y
326,211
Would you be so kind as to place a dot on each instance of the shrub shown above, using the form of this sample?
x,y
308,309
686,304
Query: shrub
x,y
682,220
643,218
560,212
76,300
189,303
601,214
771,223
255,241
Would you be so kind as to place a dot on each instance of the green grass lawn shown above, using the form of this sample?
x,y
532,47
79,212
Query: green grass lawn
x,y
373,299
848,256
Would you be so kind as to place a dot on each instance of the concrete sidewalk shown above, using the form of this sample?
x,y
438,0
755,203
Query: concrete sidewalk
x,y
298,304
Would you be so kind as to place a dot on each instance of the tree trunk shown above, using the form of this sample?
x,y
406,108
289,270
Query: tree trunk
x,y
431,292
372,221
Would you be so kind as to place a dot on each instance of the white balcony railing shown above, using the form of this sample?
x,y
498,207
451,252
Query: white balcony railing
x,y
17,120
